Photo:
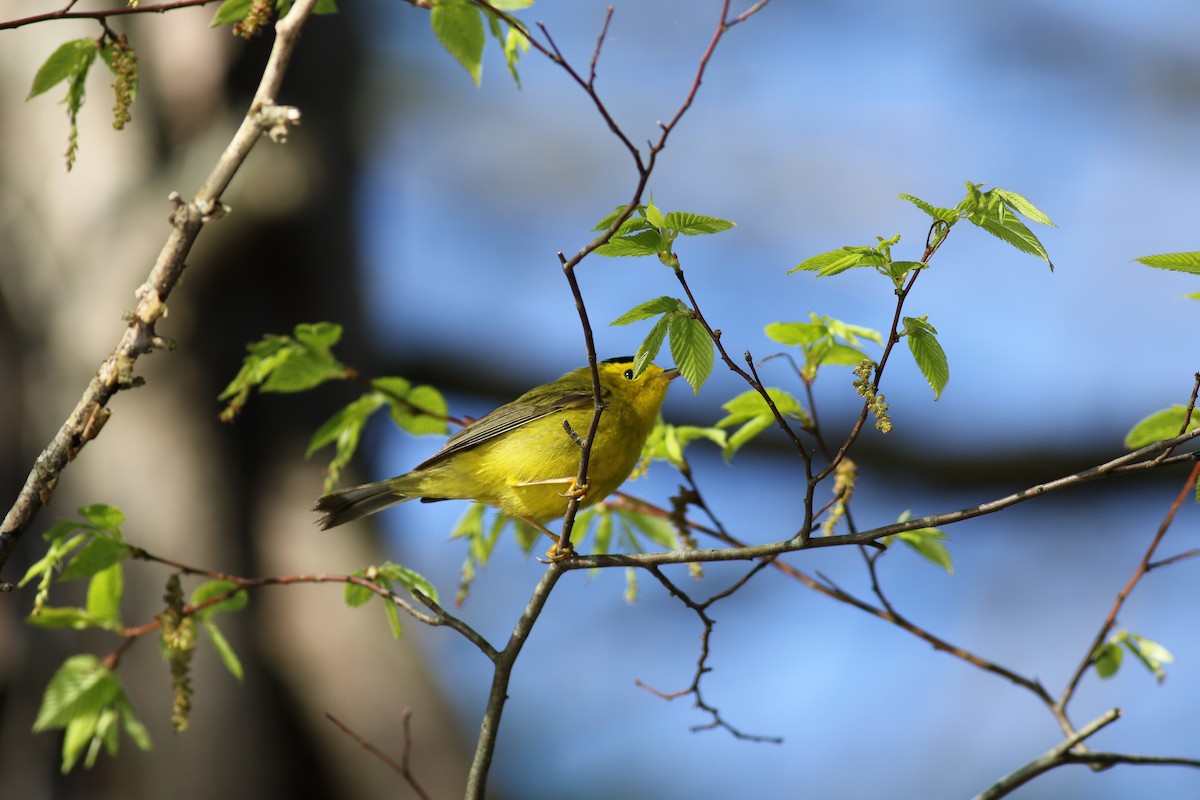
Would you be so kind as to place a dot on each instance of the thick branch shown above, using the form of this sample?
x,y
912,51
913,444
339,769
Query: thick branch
x,y
139,338
1054,757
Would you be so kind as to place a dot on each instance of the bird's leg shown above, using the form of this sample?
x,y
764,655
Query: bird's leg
x,y
574,491
556,552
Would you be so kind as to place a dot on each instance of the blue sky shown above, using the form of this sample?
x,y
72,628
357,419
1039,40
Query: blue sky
x,y
812,119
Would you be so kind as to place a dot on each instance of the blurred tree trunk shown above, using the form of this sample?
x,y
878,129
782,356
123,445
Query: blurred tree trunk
x,y
73,248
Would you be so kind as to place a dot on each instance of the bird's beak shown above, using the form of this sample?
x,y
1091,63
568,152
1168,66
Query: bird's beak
x,y
669,374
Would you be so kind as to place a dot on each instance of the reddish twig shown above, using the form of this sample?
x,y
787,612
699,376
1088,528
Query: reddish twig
x,y
67,12
1110,621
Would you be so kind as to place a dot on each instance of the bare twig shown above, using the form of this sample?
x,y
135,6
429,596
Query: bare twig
x,y
1143,566
139,338
1187,414
67,12
702,667
402,769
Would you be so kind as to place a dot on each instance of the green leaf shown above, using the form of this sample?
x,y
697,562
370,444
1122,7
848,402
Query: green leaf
x,y
98,554
1022,206
420,410
1107,659
230,11
413,581
692,349
668,441
318,336
345,425
104,596
635,222
105,517
928,543
841,355
996,211
648,349
643,243
133,726
1152,654
224,649
356,594
1008,228
459,27
216,588
654,216
81,686
393,618
302,370
600,520
752,412
515,44
795,333
947,215
656,529
1178,262
837,261
67,62
61,617
79,735
651,308
1165,424
928,354
695,224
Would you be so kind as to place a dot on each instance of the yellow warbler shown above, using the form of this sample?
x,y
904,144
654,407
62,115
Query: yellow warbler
x,y
523,458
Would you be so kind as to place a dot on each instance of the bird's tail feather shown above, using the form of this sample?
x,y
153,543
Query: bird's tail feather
x,y
346,505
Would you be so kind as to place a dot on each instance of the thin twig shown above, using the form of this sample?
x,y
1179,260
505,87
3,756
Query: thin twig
x,y
67,13
702,668
437,616
1110,621
402,769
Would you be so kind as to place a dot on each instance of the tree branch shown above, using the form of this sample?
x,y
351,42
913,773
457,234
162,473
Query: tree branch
x,y
139,338
1054,757
68,12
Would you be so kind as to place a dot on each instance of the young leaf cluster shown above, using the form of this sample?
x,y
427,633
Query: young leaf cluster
x,y
691,347
388,576
1152,655
304,361
458,26
751,413
71,63
650,232
823,341
997,211
85,697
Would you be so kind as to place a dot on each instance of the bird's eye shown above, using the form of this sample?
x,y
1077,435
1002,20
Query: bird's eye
x,y
628,374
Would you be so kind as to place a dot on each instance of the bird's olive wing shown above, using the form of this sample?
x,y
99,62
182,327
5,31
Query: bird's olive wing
x,y
506,418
